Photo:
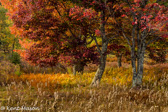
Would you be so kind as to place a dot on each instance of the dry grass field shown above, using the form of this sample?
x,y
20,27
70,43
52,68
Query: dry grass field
x,y
67,93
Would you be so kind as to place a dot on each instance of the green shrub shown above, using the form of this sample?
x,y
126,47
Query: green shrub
x,y
14,58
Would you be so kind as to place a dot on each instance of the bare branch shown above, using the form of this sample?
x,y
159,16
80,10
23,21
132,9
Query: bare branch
x,y
151,41
128,40
143,38
90,41
93,37
109,39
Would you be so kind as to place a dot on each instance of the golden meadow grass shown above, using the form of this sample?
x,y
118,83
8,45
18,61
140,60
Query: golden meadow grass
x,y
120,76
68,93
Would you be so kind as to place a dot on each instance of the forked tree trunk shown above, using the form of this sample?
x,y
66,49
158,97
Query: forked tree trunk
x,y
101,68
102,51
78,68
138,76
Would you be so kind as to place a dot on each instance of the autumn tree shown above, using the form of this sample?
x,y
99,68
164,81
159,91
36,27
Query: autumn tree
x,y
106,31
54,29
136,23
82,20
145,19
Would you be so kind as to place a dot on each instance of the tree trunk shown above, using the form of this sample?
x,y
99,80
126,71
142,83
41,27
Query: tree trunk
x,y
78,68
137,77
62,68
137,80
103,52
133,63
100,71
101,68
119,60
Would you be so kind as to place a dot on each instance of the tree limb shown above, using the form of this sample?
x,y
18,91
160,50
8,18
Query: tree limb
x,y
93,37
90,41
155,39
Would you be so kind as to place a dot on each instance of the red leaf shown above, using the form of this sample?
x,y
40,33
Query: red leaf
x,y
137,1
97,32
123,15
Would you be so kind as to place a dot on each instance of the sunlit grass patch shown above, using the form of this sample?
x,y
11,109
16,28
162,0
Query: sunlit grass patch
x,y
112,76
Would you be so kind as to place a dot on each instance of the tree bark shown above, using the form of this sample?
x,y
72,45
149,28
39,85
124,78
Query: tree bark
x,y
101,68
103,52
119,60
138,76
62,67
78,68
99,72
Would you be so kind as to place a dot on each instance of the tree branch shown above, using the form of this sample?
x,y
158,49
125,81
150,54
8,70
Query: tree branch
x,y
112,15
109,39
93,37
128,40
155,39
89,42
